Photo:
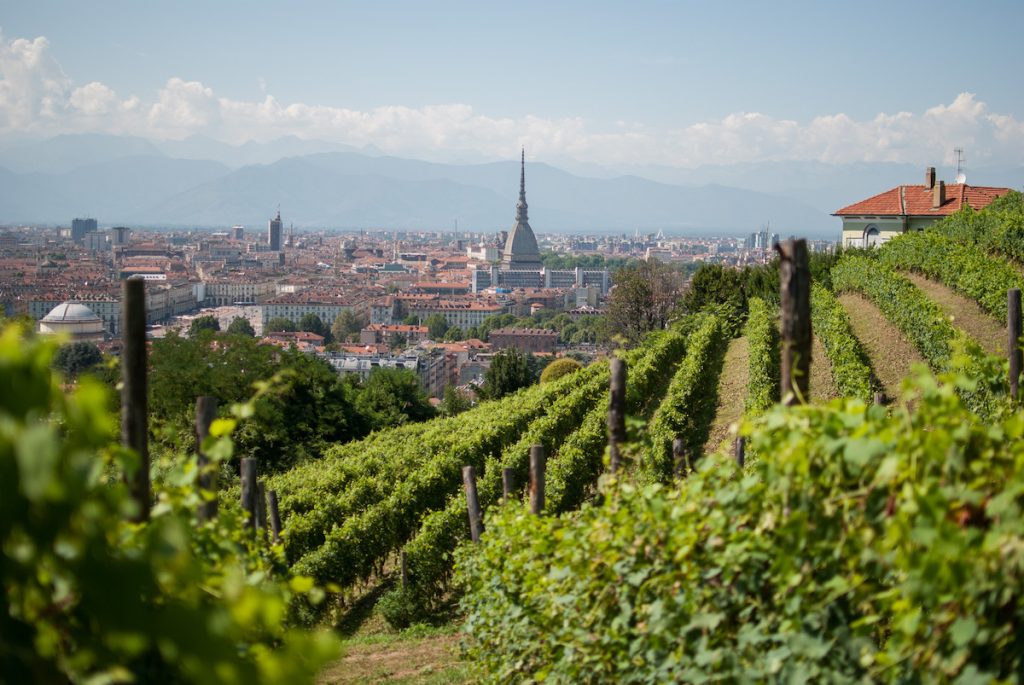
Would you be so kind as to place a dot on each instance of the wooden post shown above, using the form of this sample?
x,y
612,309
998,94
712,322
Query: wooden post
x,y
275,515
537,467
679,457
741,451
134,397
880,398
249,491
795,291
261,506
404,564
507,483
206,412
1013,343
472,503
616,412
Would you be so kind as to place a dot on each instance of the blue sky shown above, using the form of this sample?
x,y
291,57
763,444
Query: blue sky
x,y
565,76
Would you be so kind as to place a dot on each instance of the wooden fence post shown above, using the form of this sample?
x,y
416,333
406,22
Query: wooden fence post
x,y
507,483
537,468
134,393
795,291
679,457
1013,342
206,412
261,506
472,502
249,491
616,412
880,398
741,451
275,515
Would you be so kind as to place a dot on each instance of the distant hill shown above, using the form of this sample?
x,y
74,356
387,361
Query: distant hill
x,y
346,188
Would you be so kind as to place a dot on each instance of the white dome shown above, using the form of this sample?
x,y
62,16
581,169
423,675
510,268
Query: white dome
x,y
71,312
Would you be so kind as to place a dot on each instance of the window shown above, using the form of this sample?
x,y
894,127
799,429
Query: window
x,y
871,236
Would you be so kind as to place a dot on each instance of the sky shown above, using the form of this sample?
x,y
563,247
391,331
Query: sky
x,y
667,83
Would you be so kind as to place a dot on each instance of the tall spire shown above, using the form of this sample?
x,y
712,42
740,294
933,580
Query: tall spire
x,y
521,206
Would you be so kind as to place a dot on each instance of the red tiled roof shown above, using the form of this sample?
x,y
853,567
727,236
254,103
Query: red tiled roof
x,y
917,201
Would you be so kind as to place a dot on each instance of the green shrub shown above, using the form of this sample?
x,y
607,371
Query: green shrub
x,y
850,368
558,368
762,331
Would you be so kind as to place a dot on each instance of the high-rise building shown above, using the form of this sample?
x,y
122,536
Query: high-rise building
x,y
274,227
238,232
521,246
120,235
79,227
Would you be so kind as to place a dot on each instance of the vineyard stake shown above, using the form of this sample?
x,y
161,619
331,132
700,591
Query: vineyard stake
x,y
679,457
507,483
404,564
795,291
206,412
1013,343
249,491
741,451
261,507
134,409
537,467
472,502
616,412
880,398
275,515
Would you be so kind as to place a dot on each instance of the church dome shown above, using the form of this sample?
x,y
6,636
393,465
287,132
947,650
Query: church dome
x,y
521,250
73,320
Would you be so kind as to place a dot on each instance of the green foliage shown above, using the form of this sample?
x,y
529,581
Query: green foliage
x,y
559,368
997,228
454,334
347,325
207,322
971,270
509,371
437,326
862,547
241,326
74,358
454,401
644,296
311,323
280,324
88,597
714,284
689,405
762,333
553,260
391,397
851,369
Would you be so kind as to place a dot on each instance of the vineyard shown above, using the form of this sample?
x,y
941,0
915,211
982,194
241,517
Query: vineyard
x,y
761,535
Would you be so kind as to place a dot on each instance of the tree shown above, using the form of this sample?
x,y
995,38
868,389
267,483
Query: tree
x,y
509,371
644,295
454,401
207,322
279,323
348,324
74,358
411,320
454,334
241,326
436,325
398,342
311,323
558,368
391,397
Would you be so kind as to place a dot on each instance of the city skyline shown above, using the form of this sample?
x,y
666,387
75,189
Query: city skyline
x,y
677,85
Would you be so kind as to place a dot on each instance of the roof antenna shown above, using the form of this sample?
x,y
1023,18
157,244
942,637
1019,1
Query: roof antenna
x,y
960,176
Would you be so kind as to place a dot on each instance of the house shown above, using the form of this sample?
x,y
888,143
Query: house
x,y
909,208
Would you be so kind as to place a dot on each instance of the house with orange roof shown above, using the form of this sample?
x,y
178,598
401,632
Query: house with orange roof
x,y
909,208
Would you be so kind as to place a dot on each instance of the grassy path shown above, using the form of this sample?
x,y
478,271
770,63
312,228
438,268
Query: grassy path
x,y
890,352
823,388
732,392
406,657
975,321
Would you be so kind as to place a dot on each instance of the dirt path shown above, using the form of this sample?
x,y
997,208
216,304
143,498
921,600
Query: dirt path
x,y
975,321
732,392
890,352
823,388
431,659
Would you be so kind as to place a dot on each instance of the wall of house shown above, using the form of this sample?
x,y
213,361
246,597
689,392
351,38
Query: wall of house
x,y
888,228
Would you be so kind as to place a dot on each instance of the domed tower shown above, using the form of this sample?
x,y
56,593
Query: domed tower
x,y
76,321
521,246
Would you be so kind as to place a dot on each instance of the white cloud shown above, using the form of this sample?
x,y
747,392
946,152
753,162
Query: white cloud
x,y
37,97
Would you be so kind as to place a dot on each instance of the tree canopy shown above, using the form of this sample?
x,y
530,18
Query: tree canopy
x,y
509,371
207,322
241,326
644,296
76,357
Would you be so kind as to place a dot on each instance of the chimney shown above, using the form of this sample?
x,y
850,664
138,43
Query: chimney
x,y
929,178
939,195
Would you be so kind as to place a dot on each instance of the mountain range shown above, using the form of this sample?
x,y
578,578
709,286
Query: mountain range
x,y
201,182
